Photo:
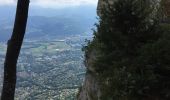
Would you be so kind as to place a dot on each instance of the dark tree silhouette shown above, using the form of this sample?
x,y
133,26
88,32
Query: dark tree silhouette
x,y
13,50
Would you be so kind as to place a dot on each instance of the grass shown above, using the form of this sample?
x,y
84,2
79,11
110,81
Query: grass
x,y
48,47
39,48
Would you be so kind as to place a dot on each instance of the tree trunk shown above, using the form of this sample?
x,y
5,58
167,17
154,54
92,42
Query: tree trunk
x,y
13,50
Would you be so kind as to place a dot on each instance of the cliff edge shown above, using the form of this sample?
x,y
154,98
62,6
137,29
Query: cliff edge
x,y
139,67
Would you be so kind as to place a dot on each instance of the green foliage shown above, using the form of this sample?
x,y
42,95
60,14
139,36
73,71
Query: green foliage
x,y
132,51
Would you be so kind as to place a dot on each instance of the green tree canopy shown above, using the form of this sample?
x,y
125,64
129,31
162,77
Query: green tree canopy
x,y
132,51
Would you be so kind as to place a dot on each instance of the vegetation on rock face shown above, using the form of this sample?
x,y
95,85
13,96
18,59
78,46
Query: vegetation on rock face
x,y
132,52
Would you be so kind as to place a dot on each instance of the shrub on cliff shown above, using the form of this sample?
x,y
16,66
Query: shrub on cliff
x,y
132,51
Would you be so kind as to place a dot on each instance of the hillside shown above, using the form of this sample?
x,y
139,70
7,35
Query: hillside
x,y
50,65
44,23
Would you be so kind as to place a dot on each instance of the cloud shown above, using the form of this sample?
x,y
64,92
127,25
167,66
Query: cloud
x,y
63,3
7,2
53,3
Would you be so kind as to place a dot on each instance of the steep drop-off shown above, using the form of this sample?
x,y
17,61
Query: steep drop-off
x,y
95,86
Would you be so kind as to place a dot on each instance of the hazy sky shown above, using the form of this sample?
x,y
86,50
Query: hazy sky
x,y
53,3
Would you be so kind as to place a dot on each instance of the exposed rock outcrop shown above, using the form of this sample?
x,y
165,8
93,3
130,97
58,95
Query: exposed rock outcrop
x,y
91,89
166,6
165,3
102,3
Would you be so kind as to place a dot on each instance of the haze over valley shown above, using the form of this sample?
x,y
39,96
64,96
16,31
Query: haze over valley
x,y
50,65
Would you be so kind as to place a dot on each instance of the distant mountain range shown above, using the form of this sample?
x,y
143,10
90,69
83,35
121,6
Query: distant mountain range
x,y
50,23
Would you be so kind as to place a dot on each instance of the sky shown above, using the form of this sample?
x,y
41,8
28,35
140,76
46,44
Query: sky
x,y
53,3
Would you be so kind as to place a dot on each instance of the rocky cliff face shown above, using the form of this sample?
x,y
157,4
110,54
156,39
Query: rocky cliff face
x,y
102,3
166,6
165,3
92,88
